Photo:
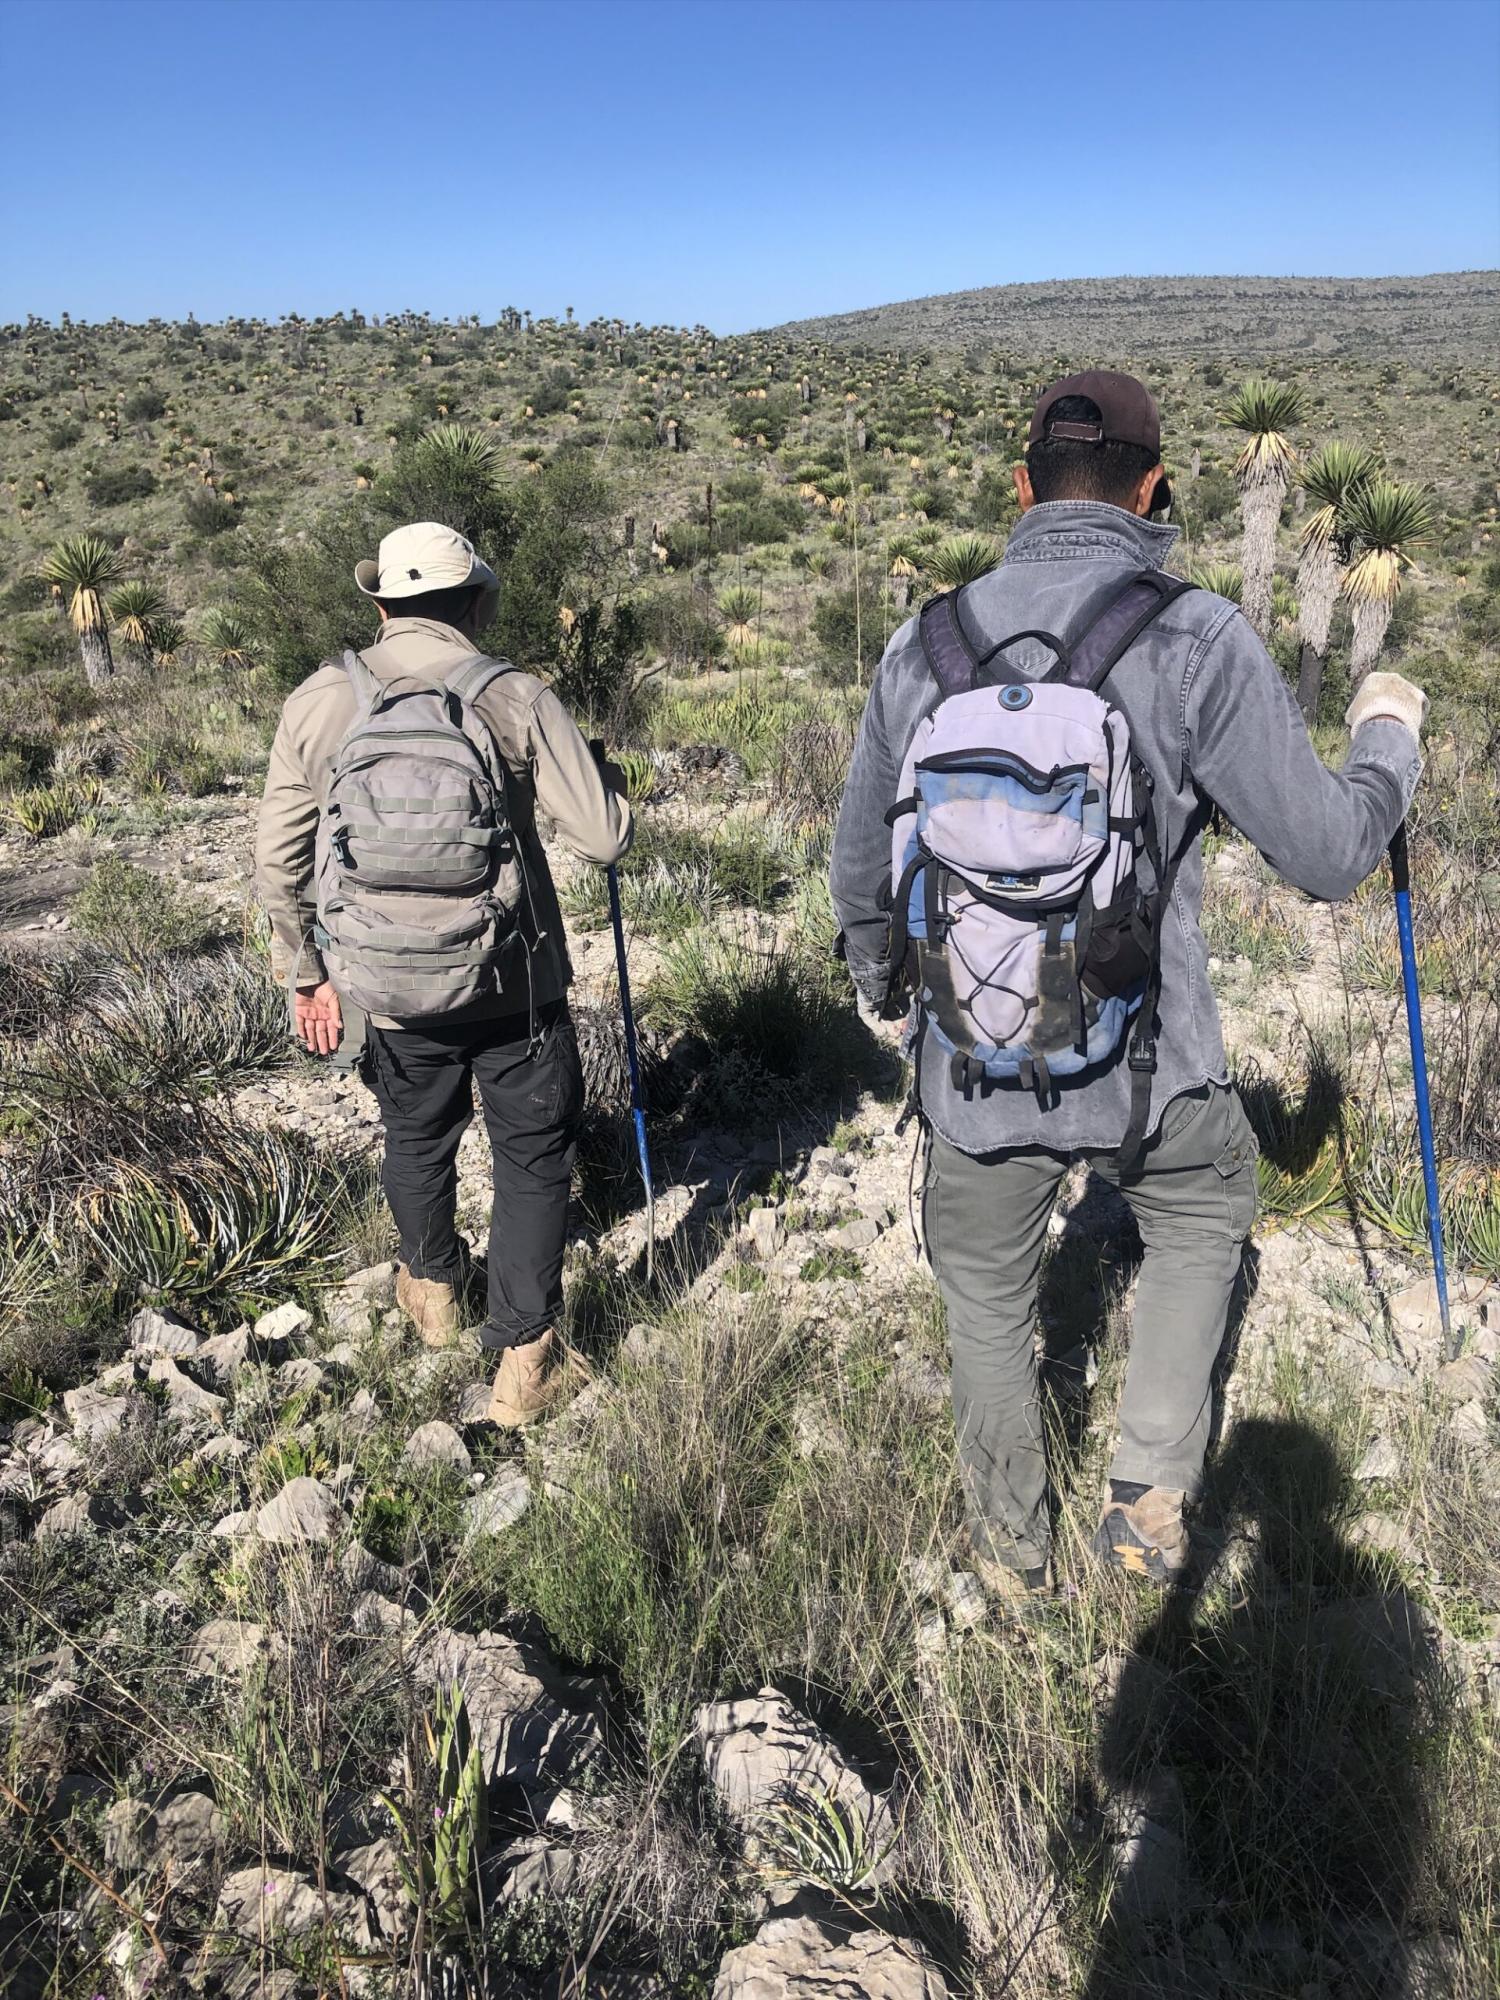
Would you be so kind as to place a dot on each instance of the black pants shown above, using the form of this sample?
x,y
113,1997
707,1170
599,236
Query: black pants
x,y
423,1080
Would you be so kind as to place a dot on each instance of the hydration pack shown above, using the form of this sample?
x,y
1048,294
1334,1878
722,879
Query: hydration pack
x,y
419,874
1019,916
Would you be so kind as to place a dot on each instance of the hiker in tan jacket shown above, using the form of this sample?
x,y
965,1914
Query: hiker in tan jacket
x,y
434,597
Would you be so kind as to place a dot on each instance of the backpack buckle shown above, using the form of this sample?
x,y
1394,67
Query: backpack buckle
x,y
1142,1061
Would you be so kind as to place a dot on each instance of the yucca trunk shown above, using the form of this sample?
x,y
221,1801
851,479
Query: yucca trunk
x,y
1318,578
1260,510
98,660
1372,615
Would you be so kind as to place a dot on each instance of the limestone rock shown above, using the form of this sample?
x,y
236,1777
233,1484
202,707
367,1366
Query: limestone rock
x,y
1466,1380
376,1868
857,1235
283,1322
1152,1861
186,1401
65,1518
275,1901
303,1511
436,1446
94,1414
825,1958
219,1359
222,1449
226,1646
1388,1537
153,1332
1470,1423
1381,1461
300,1376
184,1829
499,1503
761,1753
533,1723
767,1232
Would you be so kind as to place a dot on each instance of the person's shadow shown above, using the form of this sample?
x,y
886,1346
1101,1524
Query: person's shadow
x,y
1256,1812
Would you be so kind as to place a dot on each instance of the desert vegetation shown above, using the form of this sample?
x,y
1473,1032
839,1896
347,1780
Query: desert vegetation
x,y
318,1685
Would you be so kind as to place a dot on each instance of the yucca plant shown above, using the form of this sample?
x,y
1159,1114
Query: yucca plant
x,y
225,637
84,566
44,810
1224,579
441,1866
1312,1150
132,608
1265,411
1387,519
738,607
166,638
961,559
1330,479
459,447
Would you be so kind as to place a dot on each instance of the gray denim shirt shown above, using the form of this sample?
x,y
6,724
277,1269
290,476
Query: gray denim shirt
x,y
1213,721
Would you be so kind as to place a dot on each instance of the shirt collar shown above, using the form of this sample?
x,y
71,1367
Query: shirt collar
x,y
1093,520
424,628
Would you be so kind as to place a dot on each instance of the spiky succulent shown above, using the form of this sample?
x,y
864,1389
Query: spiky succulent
x,y
1330,477
961,559
1387,518
1265,410
1222,578
462,449
131,609
85,567
226,638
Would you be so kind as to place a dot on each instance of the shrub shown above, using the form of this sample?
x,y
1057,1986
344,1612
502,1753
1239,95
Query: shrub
x,y
64,435
208,513
139,916
144,405
118,483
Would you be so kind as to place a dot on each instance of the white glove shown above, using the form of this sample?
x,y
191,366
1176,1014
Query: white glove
x,y
1387,698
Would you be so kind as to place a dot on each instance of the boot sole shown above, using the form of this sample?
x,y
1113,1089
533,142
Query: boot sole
x,y
1118,1546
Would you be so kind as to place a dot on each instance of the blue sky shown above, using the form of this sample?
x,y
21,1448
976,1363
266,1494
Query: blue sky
x,y
723,161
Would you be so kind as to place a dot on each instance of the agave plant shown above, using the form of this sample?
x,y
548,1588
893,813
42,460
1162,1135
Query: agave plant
x,y
1222,578
1330,478
1265,411
85,567
226,639
961,559
1387,518
131,609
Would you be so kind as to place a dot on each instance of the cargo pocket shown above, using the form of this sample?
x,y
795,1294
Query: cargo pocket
x,y
1236,1162
557,1089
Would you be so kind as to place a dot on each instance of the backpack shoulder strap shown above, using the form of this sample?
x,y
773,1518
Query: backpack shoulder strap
x,y
1102,645
470,680
367,687
951,659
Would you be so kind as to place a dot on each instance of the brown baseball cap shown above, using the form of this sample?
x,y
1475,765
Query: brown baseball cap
x,y
1127,415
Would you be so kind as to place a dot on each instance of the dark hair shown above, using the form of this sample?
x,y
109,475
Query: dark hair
x,y
1071,469
448,607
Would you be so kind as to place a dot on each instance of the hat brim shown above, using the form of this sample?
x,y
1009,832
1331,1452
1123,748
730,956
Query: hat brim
x,y
367,577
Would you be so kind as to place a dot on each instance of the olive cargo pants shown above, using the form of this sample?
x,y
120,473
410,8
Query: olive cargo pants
x,y
986,1217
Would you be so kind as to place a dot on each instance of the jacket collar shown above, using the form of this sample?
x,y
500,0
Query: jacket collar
x,y
432,630
1054,528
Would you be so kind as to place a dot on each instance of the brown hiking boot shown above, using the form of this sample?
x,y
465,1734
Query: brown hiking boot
x,y
430,1305
1010,1589
1142,1531
526,1383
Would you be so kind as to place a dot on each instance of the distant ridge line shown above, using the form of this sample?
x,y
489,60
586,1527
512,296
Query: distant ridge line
x,y
1449,312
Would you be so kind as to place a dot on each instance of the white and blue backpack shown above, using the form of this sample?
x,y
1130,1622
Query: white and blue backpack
x,y
1019,918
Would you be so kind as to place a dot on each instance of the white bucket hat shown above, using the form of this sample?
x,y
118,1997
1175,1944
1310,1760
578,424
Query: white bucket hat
x,y
425,556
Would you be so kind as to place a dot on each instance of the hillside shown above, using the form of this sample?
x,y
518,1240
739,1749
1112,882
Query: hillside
x,y
1453,312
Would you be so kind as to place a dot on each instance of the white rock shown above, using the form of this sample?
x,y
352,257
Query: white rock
x,y
186,1401
226,1646
283,1322
828,1958
1381,1461
303,1511
436,1445
963,1594
767,1232
95,1415
499,1503
65,1519
857,1235
254,1903
230,1527
153,1332
1470,1423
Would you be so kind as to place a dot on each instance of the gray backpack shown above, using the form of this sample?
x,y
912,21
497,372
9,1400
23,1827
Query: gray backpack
x,y
419,874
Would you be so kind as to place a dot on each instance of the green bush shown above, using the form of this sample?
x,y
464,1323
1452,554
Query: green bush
x,y
118,483
144,405
138,916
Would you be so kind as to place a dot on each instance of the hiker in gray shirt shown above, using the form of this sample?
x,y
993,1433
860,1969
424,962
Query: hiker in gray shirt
x,y
1212,723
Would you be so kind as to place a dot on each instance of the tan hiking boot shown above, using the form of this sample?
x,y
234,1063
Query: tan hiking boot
x,y
526,1383
1145,1536
1013,1587
430,1305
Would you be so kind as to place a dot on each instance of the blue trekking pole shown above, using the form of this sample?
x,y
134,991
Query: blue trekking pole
x,y
1401,883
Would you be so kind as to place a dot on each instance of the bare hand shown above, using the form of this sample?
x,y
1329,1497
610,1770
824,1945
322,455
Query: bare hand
x,y
319,1018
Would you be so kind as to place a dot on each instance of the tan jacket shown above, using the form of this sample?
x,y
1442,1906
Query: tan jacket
x,y
549,761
